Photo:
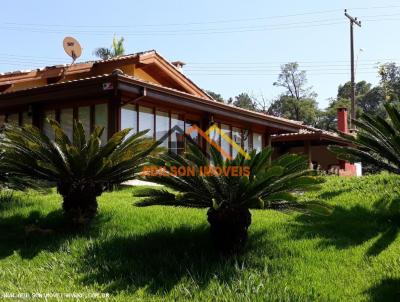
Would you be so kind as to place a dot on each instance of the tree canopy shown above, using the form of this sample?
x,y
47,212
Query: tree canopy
x,y
216,96
297,101
294,81
243,100
305,110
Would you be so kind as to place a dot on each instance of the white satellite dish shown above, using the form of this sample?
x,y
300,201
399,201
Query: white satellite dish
x,y
72,48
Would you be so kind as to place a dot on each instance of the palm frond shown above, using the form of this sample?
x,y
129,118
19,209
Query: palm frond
x,y
29,154
377,141
265,182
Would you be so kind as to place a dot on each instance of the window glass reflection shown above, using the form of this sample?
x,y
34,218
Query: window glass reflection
x,y
101,119
225,145
13,119
146,120
237,138
66,121
129,118
257,142
84,118
177,144
162,127
47,129
246,140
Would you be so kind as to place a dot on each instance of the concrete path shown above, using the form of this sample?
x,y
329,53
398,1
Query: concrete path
x,y
137,182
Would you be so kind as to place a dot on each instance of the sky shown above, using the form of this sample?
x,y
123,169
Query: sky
x,y
229,47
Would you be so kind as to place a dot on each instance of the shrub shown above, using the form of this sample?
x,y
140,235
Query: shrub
x,y
377,142
81,168
229,197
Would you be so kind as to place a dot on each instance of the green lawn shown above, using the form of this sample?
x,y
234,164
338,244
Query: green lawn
x,y
161,253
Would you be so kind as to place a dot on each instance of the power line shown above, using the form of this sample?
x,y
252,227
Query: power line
x,y
181,24
296,25
272,74
285,61
266,28
222,65
321,12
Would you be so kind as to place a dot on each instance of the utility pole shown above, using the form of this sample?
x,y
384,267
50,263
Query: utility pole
x,y
353,84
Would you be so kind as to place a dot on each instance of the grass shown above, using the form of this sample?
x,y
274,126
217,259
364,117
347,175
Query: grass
x,y
161,253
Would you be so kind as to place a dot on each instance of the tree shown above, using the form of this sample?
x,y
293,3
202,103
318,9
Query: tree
x,y
390,80
372,102
216,96
377,141
368,100
243,100
361,88
297,101
294,81
228,197
81,169
262,103
116,49
305,110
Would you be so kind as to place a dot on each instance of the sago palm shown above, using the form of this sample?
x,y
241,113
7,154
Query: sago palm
x,y
9,181
81,169
257,183
377,141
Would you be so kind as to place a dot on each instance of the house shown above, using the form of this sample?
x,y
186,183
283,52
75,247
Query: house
x,y
145,91
313,142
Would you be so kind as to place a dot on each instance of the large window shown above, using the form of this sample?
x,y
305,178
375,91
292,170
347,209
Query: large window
x,y
13,118
99,113
162,127
146,120
225,145
177,144
47,129
84,118
129,118
257,142
101,119
66,121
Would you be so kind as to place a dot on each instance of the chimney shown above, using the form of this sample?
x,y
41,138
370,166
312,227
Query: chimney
x,y
179,65
342,120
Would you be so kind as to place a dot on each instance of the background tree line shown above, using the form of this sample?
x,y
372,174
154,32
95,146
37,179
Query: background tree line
x,y
298,100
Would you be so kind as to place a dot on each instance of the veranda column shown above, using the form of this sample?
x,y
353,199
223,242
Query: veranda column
x,y
114,113
268,143
307,152
205,124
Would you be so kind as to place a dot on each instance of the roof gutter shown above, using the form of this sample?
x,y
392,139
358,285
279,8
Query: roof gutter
x,y
176,98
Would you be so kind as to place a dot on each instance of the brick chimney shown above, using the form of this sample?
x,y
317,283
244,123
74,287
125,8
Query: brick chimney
x,y
346,168
178,65
342,120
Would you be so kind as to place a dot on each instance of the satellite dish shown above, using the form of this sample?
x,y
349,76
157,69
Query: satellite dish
x,y
72,47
